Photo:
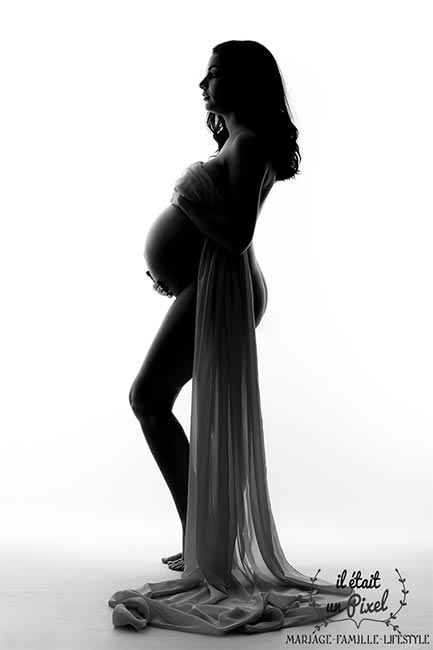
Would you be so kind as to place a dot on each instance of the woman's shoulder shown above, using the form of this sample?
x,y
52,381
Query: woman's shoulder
x,y
246,144
249,140
251,148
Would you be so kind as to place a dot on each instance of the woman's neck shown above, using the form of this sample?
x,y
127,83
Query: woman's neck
x,y
233,126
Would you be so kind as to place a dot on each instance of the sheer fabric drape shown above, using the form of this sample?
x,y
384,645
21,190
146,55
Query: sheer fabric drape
x,y
236,576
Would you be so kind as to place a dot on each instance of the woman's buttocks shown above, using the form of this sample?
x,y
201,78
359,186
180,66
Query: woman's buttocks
x,y
173,248
260,289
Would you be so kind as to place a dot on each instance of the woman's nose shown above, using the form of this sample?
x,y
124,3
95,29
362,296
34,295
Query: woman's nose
x,y
203,84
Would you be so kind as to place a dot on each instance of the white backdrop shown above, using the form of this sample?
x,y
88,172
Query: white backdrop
x,y
101,111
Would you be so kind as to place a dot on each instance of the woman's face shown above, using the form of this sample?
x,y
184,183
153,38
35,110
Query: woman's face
x,y
215,92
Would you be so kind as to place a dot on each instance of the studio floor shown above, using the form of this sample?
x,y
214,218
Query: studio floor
x,y
57,577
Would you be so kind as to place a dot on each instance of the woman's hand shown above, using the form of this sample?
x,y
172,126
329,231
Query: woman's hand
x,y
160,287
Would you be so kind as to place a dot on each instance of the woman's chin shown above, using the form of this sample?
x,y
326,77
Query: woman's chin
x,y
210,105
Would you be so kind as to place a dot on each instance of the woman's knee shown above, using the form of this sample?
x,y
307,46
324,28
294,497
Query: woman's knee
x,y
146,400
136,400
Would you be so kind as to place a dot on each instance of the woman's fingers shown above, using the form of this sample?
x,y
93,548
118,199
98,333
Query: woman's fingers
x,y
160,289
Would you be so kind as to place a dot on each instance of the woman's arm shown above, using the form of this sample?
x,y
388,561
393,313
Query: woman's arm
x,y
234,229
214,225
247,166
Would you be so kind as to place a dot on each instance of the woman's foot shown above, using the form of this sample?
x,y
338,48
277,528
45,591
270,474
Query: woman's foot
x,y
177,565
170,558
174,562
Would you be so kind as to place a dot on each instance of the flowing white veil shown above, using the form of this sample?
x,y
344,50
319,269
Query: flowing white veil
x,y
236,576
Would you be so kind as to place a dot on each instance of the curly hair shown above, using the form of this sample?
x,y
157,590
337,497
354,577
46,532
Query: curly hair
x,y
256,85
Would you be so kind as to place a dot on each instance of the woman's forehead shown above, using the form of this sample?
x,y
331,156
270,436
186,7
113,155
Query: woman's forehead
x,y
213,61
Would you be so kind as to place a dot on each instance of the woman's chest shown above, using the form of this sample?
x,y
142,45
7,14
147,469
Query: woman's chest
x,y
217,170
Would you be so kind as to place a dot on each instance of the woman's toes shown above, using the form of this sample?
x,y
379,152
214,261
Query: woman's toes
x,y
177,565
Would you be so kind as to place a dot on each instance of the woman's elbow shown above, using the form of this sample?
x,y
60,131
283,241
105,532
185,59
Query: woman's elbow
x,y
243,249
238,248
240,242
242,245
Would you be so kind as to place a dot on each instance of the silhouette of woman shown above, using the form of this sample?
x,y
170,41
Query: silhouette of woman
x,y
200,250
244,171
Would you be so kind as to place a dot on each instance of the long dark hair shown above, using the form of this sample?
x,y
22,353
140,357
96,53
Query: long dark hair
x,y
257,87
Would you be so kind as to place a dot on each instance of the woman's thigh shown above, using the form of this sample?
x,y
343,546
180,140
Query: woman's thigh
x,y
168,364
169,361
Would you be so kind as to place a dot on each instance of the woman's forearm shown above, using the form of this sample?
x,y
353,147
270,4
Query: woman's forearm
x,y
213,224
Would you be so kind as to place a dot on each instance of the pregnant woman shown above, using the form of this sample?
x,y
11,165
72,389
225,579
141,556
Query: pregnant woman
x,y
234,572
244,174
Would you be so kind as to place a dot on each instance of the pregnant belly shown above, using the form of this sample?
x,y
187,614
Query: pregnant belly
x,y
173,248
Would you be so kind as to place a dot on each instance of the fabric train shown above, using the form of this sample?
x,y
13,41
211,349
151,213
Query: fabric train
x,y
236,577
